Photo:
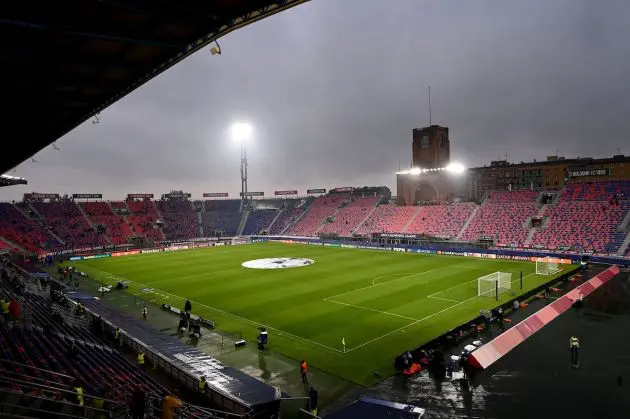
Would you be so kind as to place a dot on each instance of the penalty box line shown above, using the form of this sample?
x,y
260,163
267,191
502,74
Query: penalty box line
x,y
374,284
465,283
244,319
430,316
370,309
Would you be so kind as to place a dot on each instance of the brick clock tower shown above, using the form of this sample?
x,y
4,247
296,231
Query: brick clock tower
x,y
431,147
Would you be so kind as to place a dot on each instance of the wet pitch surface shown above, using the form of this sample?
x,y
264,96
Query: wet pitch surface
x,y
536,379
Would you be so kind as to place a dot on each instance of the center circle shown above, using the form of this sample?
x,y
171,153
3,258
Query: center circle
x,y
277,263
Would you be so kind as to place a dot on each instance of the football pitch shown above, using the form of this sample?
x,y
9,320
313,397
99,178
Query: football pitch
x,y
378,303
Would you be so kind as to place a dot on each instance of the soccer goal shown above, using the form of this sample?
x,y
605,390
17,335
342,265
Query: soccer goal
x,y
545,266
497,282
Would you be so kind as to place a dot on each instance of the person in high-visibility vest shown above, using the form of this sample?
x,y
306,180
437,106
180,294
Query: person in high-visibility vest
x,y
117,336
141,359
574,346
5,308
79,398
303,372
203,384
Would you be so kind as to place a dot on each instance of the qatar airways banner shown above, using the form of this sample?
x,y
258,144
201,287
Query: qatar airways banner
x,y
277,193
215,194
315,191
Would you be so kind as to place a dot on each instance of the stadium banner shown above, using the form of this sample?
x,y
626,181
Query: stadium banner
x,y
396,236
252,194
586,173
343,189
477,253
100,256
126,253
140,196
177,195
87,196
282,193
215,194
315,191
36,195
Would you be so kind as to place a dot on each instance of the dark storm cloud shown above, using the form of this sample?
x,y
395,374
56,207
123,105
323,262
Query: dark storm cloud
x,y
334,89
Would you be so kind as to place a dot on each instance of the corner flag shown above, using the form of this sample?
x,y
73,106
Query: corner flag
x,y
343,341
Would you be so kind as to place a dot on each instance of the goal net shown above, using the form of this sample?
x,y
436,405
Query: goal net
x,y
489,285
545,266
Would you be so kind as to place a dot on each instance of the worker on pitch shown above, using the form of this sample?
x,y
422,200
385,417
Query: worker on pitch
x,y
187,306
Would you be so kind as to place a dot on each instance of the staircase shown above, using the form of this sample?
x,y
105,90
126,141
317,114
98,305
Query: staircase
x,y
109,241
274,219
40,220
294,222
364,219
15,246
624,246
465,226
324,221
161,218
625,224
241,225
413,217
200,221
532,230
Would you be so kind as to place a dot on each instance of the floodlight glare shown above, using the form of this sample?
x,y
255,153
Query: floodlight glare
x,y
241,132
456,168
415,171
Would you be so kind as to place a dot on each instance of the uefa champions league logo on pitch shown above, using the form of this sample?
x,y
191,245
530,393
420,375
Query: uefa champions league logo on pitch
x,y
277,263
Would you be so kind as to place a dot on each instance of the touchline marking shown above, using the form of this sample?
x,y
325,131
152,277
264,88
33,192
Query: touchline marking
x,y
236,316
382,283
370,309
410,324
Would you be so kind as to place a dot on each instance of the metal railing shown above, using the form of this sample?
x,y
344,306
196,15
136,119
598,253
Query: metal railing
x,y
22,393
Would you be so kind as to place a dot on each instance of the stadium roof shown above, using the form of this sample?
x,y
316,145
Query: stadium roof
x,y
6,180
65,61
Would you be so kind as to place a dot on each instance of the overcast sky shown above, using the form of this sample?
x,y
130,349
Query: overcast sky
x,y
334,88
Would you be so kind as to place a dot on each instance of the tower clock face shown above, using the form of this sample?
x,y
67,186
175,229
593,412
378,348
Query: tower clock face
x,y
424,142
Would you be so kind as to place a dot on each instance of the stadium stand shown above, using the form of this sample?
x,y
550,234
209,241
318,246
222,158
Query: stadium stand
x,y
259,220
180,221
442,221
48,347
387,219
292,211
348,218
323,207
24,232
221,217
143,218
596,191
503,217
100,213
583,225
66,220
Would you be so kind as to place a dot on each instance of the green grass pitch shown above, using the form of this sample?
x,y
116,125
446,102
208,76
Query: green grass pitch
x,y
380,303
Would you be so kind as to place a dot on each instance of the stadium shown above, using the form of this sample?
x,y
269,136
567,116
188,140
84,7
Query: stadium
x,y
331,301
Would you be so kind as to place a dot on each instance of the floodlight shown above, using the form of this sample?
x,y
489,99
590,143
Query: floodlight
x,y
415,171
456,168
241,132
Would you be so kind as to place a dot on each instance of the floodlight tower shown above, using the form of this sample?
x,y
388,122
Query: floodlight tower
x,y
241,134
